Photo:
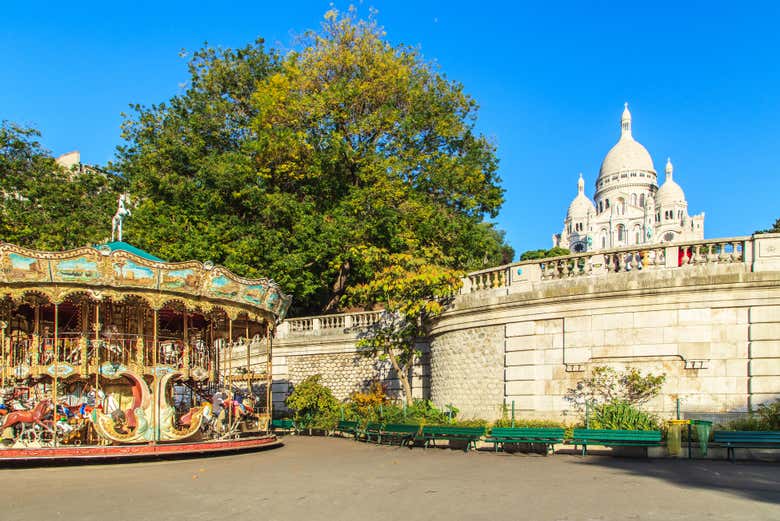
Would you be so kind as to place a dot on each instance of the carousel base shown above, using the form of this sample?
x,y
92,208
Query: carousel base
x,y
120,453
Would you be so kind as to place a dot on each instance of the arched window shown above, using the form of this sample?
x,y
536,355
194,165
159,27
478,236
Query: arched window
x,y
603,239
601,206
607,205
642,200
621,208
621,233
633,199
637,234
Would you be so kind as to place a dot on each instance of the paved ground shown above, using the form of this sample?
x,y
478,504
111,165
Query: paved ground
x,y
338,479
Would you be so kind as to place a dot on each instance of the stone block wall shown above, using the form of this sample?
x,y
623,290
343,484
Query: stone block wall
x,y
467,368
764,348
342,373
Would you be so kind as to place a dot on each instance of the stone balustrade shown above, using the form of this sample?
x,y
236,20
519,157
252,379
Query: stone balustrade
x,y
618,260
326,324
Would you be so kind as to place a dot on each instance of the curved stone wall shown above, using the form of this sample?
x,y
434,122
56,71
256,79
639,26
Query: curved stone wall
x,y
467,366
714,330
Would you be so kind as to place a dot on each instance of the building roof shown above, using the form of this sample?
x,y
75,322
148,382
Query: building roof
x,y
581,205
628,155
669,192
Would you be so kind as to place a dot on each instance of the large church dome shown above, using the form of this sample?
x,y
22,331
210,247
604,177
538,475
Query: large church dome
x,y
628,155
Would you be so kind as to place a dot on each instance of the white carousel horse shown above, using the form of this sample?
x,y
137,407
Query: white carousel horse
x,y
119,218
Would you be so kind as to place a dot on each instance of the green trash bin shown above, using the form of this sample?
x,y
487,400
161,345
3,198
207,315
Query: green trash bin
x,y
674,436
703,430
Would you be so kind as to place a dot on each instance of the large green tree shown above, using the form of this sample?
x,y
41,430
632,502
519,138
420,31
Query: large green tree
x,y
44,206
299,166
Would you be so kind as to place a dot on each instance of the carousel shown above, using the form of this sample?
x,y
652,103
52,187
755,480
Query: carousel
x,y
108,351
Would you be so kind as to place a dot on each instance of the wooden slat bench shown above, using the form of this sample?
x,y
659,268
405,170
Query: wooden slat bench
x,y
347,427
430,433
746,440
548,436
615,438
371,430
404,433
283,425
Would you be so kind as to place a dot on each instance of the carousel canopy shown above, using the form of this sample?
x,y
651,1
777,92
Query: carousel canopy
x,y
118,269
122,245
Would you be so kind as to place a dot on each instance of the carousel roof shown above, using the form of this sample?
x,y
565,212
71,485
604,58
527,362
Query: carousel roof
x,y
122,245
118,269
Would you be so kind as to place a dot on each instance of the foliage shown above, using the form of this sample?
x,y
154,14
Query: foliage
x,y
374,397
774,229
313,404
765,418
412,291
45,206
621,414
605,385
297,166
544,254
420,412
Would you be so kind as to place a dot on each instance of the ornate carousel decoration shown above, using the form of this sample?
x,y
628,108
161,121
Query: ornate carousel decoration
x,y
109,345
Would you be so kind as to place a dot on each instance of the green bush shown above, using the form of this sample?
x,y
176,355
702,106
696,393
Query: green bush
x,y
313,404
766,418
622,415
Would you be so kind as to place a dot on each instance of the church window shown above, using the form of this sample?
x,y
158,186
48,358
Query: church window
x,y
641,174
607,205
601,206
633,174
603,239
621,230
633,199
642,200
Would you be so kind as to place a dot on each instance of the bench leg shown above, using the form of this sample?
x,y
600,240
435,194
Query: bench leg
x,y
584,450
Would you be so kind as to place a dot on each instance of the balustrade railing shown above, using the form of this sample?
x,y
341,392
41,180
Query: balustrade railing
x,y
619,260
635,259
327,324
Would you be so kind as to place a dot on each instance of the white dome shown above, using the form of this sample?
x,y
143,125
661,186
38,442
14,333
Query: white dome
x,y
628,155
670,192
581,205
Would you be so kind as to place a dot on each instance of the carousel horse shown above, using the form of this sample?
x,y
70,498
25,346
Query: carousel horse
x,y
121,214
170,352
32,418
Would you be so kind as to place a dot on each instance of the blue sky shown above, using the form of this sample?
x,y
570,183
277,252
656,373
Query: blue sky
x,y
702,80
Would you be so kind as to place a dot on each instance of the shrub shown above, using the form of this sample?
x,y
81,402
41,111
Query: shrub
x,y
313,404
622,415
606,385
766,418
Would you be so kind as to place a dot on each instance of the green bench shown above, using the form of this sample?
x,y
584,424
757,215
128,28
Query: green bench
x,y
403,432
430,433
371,430
614,438
548,436
347,427
283,425
746,440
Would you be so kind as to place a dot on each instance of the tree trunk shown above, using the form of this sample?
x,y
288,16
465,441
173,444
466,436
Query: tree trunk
x,y
403,377
338,287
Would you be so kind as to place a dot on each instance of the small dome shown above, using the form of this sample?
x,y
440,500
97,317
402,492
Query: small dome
x,y
628,155
581,205
670,192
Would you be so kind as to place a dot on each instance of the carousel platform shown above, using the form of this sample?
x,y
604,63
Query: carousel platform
x,y
120,453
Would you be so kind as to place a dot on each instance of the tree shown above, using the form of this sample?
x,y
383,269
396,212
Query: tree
x,y
605,385
293,166
774,229
544,254
412,291
45,206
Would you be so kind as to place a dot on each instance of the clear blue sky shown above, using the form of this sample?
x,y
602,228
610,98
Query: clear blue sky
x,y
702,79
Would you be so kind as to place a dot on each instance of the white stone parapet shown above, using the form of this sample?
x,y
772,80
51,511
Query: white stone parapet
x,y
601,263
